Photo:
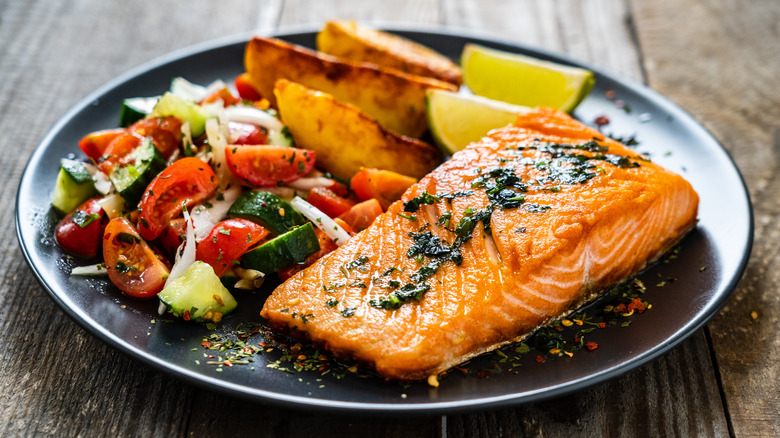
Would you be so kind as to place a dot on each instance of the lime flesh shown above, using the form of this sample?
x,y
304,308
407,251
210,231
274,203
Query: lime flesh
x,y
455,120
523,80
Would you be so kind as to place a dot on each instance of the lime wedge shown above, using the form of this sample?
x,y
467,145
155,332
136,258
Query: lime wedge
x,y
523,80
455,120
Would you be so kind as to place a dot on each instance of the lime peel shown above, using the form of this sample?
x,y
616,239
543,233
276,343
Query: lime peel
x,y
524,80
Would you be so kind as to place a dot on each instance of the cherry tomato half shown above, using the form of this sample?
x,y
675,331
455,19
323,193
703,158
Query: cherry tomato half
x,y
265,166
228,241
94,145
328,202
80,231
187,181
362,215
117,150
245,88
384,185
225,95
247,133
165,133
172,237
132,265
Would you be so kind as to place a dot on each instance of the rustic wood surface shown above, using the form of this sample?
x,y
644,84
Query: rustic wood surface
x,y
718,59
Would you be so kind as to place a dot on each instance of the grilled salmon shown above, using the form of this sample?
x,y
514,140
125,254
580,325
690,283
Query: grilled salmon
x,y
513,232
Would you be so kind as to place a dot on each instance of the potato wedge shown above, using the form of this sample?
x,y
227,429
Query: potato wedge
x,y
345,138
357,42
395,99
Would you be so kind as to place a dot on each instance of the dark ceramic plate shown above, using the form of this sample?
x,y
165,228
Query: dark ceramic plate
x,y
721,242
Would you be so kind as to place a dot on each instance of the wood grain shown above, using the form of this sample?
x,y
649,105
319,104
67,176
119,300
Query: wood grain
x,y
720,60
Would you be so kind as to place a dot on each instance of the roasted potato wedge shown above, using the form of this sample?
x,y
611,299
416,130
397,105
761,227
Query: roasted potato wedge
x,y
345,138
394,98
357,42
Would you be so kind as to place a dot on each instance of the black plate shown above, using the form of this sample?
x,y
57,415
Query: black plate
x,y
721,242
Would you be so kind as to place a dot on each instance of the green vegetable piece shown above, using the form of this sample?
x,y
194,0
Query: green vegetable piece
x,y
189,112
135,109
130,180
291,247
74,186
198,294
266,209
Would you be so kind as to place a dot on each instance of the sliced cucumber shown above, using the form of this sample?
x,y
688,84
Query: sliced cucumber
x,y
282,137
198,294
291,247
188,112
131,179
74,186
135,109
267,210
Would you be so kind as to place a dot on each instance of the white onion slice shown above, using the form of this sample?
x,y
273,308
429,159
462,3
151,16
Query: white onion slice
x,y
322,221
187,90
113,205
185,255
306,184
90,270
102,183
246,114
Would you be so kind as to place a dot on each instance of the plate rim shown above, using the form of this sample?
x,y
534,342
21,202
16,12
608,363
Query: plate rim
x,y
294,401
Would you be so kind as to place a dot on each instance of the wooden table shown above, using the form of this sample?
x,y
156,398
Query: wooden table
x,y
718,59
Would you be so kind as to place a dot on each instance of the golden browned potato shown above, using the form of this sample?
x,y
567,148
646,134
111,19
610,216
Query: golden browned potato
x,y
395,99
345,138
364,44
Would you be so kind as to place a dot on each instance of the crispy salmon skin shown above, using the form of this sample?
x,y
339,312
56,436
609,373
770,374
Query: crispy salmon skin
x,y
514,231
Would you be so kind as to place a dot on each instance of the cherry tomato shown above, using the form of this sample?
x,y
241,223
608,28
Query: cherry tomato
x,y
247,133
187,181
132,265
79,232
117,150
338,188
328,202
172,237
384,185
225,95
326,246
245,88
264,166
165,133
94,145
362,215
228,241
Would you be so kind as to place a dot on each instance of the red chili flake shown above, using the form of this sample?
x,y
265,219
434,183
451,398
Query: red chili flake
x,y
206,344
637,305
610,94
483,374
540,358
576,339
602,324
211,356
591,345
601,121
559,328
262,344
186,315
229,364
620,308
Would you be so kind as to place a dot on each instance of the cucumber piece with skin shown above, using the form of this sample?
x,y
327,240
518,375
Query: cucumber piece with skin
x,y
135,109
266,209
198,295
131,179
291,247
74,186
189,112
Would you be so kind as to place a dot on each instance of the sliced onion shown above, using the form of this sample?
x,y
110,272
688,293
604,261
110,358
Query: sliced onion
x,y
306,184
284,192
187,90
247,114
90,270
218,142
113,205
102,183
185,255
321,220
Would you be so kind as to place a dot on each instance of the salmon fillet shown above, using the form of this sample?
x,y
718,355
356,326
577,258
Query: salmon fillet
x,y
513,232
